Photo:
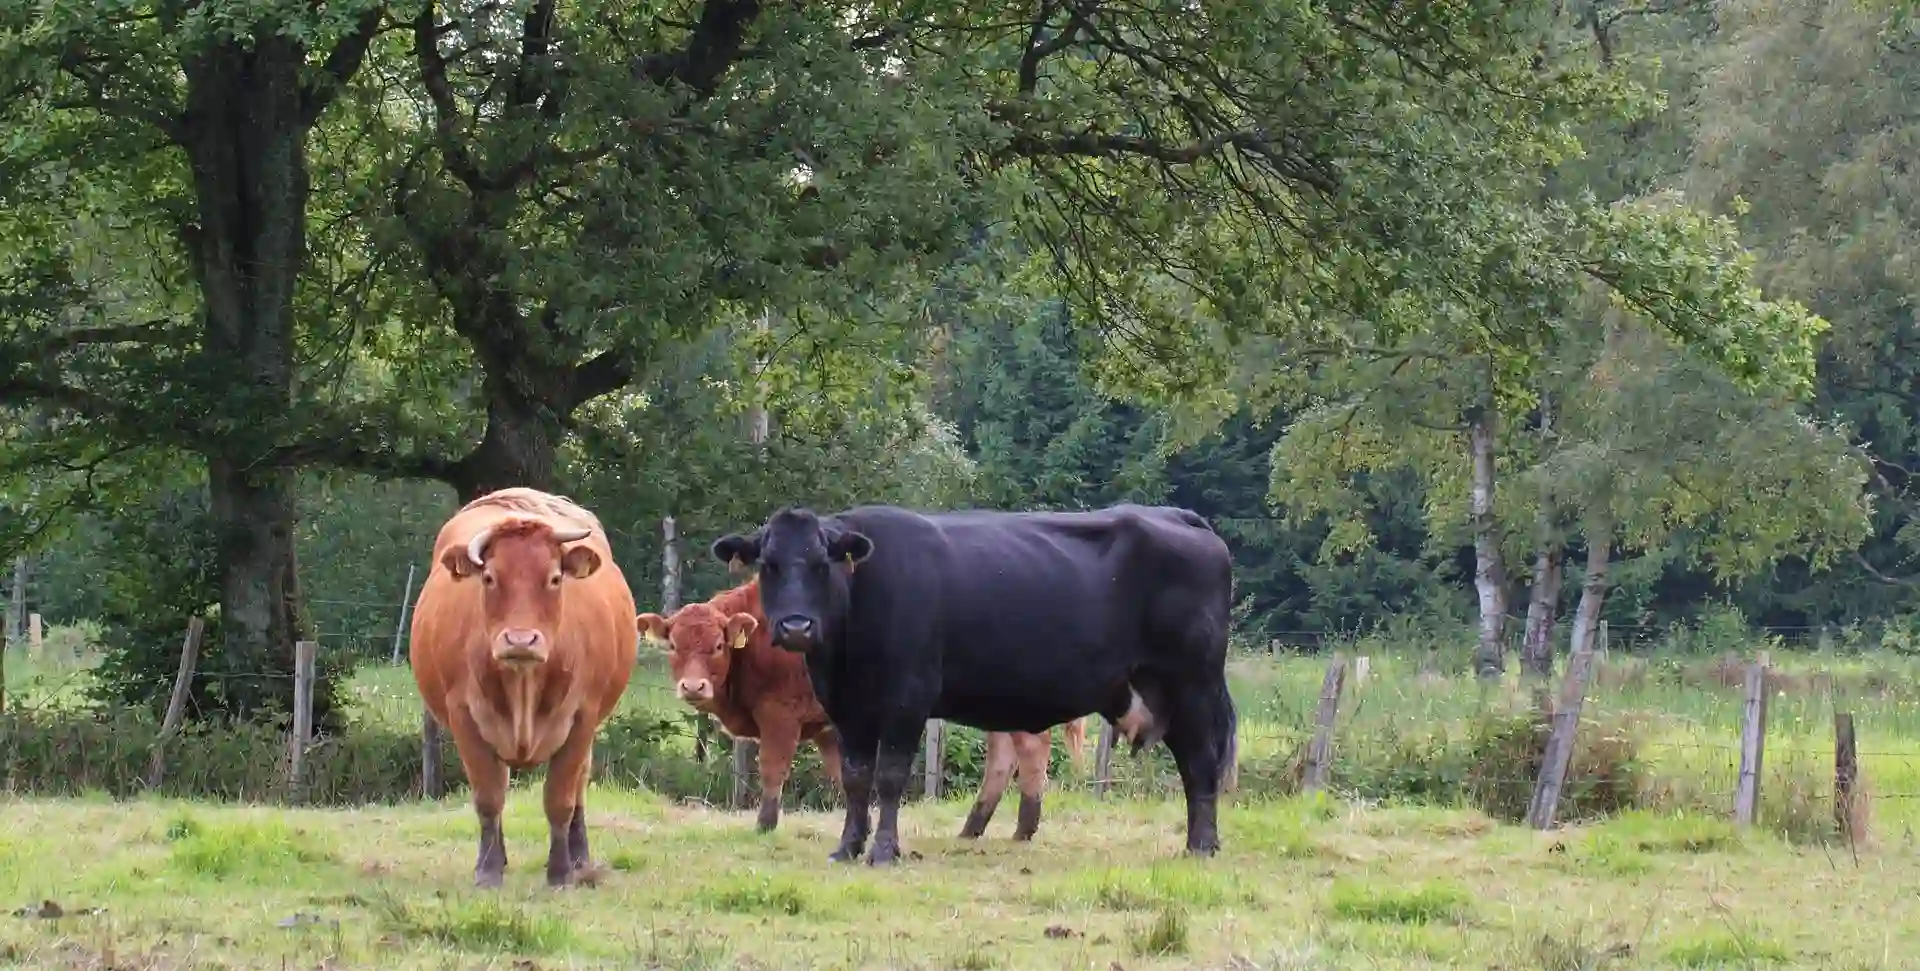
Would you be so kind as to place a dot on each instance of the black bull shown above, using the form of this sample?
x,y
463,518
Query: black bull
x,y
1005,622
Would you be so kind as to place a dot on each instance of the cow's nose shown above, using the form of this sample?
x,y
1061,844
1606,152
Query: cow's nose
x,y
520,637
796,626
700,688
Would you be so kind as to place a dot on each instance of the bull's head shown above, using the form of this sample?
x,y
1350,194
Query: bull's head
x,y
806,570
699,642
522,565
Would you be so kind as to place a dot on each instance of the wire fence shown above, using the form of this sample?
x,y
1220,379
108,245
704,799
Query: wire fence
x,y
1652,733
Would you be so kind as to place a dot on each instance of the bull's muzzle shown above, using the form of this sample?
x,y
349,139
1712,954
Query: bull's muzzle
x,y
695,689
795,633
520,646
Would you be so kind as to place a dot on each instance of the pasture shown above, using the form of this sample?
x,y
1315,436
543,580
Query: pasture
x,y
1411,861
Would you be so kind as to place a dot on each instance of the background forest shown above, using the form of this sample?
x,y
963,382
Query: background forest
x,y
1649,358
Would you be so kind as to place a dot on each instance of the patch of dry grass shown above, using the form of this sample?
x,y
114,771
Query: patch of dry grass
x,y
1301,884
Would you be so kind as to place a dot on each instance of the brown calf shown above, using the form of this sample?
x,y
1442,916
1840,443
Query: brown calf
x,y
523,641
722,661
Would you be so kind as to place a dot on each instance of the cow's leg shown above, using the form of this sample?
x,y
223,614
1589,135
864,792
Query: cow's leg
x,y
1200,734
828,742
487,778
1033,752
577,827
993,782
856,785
899,740
567,776
779,738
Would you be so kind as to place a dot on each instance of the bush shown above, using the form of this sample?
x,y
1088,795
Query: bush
x,y
159,566
72,753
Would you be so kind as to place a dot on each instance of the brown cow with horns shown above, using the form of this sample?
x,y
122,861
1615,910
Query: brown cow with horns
x,y
722,662
523,642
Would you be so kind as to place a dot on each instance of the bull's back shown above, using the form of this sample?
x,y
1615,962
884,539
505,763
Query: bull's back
x,y
1041,615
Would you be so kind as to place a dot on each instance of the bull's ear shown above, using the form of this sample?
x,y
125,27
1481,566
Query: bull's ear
x,y
458,565
653,628
739,628
580,562
736,550
851,546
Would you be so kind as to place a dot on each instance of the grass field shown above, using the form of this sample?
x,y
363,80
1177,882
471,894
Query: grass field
x,y
1300,885
1396,874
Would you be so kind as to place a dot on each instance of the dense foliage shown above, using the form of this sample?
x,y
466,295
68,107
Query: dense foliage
x,y
1452,310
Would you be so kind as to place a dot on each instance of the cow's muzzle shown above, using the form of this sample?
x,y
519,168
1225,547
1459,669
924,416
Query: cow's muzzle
x,y
520,646
795,633
695,690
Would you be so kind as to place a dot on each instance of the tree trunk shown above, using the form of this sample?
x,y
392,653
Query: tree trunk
x,y
16,623
244,131
1489,576
1543,608
1543,598
254,513
521,446
1593,589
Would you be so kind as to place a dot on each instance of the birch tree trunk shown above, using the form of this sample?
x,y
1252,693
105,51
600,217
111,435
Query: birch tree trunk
x,y
1593,587
1489,576
1543,599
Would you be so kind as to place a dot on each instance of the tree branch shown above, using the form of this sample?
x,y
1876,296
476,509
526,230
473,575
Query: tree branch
x,y
340,66
716,43
446,113
38,351
536,39
346,452
602,374
1029,144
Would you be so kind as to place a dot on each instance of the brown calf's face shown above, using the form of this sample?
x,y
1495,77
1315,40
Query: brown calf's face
x,y
700,642
523,569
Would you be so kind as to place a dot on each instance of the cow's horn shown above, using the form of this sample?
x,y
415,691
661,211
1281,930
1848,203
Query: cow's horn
x,y
570,535
477,546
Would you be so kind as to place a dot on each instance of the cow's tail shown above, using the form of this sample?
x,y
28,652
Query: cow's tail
x,y
1076,731
1228,733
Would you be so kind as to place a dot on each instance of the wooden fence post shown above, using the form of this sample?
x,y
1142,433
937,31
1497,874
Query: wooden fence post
x,y
1846,776
36,637
1753,743
304,654
1362,667
5,643
745,751
406,602
430,786
1320,750
1103,759
936,756
177,702
1566,728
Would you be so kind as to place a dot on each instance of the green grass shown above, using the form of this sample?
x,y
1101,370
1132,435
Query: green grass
x,y
198,886
1400,866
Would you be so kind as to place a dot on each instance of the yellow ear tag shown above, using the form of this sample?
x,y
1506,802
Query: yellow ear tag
x,y
652,638
739,640
851,566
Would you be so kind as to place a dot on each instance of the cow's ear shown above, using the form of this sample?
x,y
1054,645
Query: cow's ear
x,y
851,546
580,562
739,628
457,564
736,550
653,628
